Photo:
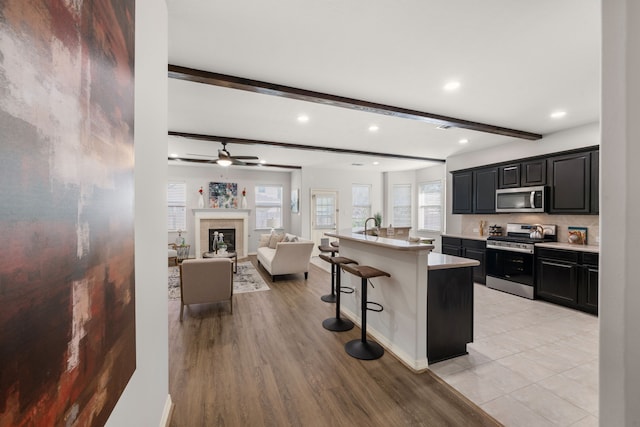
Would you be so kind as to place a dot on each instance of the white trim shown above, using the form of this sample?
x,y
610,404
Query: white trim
x,y
166,412
241,214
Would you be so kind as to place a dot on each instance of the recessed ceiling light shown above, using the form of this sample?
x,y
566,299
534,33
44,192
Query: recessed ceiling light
x,y
173,155
463,141
357,164
451,86
262,162
373,128
376,163
303,118
558,114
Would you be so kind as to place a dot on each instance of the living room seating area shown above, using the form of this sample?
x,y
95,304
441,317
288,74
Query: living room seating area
x,y
286,253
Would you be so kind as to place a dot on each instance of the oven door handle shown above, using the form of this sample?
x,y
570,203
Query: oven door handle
x,y
522,251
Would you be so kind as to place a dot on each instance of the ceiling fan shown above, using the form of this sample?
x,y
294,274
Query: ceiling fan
x,y
225,158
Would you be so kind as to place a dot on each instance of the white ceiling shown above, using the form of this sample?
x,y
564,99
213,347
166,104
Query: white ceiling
x,y
517,61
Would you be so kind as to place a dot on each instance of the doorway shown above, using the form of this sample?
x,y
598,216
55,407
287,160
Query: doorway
x,y
324,215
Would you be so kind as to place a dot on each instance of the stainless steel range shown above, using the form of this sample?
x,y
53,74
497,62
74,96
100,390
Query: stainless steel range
x,y
510,258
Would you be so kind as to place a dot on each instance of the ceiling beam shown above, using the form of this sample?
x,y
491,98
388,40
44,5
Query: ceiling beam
x,y
233,82
232,140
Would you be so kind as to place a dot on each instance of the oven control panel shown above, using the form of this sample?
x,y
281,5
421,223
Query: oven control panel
x,y
511,246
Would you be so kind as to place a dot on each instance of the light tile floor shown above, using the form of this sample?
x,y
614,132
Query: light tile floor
x,y
532,363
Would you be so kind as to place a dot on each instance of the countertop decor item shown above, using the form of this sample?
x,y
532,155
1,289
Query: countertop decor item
x,y
577,235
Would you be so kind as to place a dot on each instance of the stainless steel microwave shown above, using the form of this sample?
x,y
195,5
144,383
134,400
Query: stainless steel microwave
x,y
523,199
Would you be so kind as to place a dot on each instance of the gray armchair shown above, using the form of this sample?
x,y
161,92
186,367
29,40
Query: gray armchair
x,y
206,280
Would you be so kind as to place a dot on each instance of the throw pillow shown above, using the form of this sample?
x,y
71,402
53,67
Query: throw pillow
x,y
264,240
290,237
275,239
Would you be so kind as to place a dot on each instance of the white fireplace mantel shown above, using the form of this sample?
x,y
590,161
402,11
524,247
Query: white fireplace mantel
x,y
237,214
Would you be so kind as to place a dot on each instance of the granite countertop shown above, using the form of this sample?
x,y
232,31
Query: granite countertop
x,y
403,245
467,236
438,261
569,247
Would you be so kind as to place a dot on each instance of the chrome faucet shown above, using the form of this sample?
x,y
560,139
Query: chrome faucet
x,y
365,224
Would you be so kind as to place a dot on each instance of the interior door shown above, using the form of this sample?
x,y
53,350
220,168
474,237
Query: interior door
x,y
324,211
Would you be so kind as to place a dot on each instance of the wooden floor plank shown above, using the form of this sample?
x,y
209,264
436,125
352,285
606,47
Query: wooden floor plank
x,y
271,363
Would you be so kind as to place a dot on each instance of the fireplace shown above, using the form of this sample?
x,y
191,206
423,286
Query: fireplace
x,y
221,219
228,235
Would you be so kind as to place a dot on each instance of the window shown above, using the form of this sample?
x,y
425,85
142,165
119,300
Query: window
x,y
430,206
402,205
268,206
177,206
361,204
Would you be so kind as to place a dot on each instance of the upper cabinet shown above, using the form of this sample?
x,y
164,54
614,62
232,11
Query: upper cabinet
x,y
570,183
463,192
530,173
572,178
485,183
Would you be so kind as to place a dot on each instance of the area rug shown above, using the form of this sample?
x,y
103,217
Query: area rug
x,y
246,280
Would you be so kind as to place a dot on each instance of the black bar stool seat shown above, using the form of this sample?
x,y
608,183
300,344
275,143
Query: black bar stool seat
x,y
365,349
338,324
332,250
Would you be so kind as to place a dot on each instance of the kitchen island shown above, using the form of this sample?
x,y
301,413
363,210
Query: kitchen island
x,y
420,282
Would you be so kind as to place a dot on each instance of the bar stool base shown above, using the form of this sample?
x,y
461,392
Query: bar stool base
x,y
328,298
337,324
367,350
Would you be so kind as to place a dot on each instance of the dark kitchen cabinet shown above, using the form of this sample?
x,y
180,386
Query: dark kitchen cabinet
x,y
468,248
485,183
595,184
569,278
534,173
569,179
462,192
509,176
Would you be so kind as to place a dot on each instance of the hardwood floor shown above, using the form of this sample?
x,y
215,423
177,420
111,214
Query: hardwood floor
x,y
271,363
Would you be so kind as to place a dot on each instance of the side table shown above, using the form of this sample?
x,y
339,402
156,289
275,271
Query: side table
x,y
231,254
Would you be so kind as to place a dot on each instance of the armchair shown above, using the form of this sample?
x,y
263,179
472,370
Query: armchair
x,y
206,280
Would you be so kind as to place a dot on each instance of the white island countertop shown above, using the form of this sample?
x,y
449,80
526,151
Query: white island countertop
x,y
385,242
439,261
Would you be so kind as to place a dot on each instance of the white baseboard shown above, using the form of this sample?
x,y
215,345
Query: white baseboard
x,y
166,413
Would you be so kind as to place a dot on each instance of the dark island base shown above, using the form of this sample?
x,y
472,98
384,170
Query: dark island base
x,y
449,313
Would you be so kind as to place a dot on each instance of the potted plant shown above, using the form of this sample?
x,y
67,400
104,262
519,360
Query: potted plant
x,y
378,219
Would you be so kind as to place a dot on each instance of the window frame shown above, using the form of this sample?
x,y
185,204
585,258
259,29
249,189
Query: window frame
x,y
260,206
421,206
355,220
173,203
394,220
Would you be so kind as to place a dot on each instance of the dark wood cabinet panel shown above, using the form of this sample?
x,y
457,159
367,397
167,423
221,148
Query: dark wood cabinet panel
x,y
479,271
595,184
569,178
468,248
462,192
509,176
557,281
485,183
569,278
534,173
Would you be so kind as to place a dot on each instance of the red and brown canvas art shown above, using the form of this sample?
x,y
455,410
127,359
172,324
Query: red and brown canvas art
x,y
67,294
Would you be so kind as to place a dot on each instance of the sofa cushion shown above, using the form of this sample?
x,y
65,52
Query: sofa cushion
x,y
275,239
264,240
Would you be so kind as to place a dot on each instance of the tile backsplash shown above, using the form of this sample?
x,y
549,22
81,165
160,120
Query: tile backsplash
x,y
471,223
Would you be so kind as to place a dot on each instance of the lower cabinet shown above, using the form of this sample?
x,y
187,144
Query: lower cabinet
x,y
569,278
468,248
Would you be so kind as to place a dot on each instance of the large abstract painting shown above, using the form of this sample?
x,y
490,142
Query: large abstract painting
x,y
223,195
67,319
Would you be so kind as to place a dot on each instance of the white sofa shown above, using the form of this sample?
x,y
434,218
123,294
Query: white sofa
x,y
291,255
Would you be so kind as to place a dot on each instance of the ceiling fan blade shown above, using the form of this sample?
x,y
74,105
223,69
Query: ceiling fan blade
x,y
246,157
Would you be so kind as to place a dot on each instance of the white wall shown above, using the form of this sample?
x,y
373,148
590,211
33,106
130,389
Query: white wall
x,y
196,176
620,210
415,178
145,398
296,218
582,136
340,180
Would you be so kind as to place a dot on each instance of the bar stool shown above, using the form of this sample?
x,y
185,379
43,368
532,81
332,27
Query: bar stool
x,y
338,324
333,250
363,348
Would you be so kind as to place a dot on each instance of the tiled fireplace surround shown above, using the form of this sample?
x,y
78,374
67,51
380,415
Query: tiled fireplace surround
x,y
217,219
